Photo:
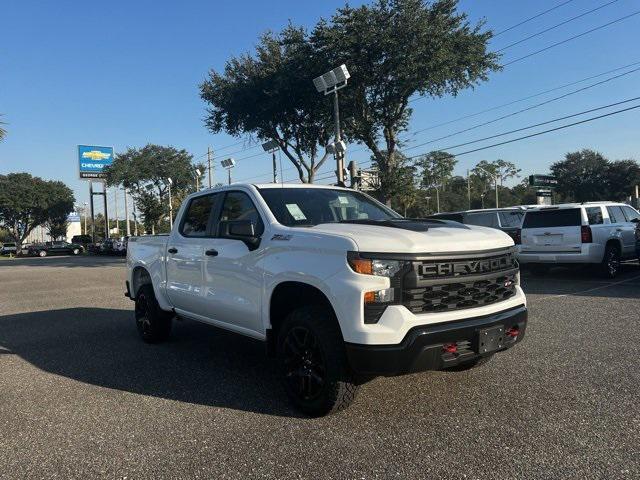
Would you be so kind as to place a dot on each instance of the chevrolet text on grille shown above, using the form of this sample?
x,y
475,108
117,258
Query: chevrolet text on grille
x,y
466,267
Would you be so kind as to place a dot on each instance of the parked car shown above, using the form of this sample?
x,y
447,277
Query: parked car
x,y
8,248
56,248
83,240
338,286
509,219
596,233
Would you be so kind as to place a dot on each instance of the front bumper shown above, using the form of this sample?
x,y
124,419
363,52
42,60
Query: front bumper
x,y
422,347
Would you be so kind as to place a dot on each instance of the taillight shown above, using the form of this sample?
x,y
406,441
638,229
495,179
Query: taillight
x,y
585,233
517,236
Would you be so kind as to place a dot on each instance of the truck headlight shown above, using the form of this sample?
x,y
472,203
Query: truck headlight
x,y
381,268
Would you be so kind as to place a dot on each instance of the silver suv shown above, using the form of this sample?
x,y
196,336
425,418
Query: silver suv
x,y
598,233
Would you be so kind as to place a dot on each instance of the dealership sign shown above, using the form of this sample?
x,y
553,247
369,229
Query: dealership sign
x,y
548,181
92,161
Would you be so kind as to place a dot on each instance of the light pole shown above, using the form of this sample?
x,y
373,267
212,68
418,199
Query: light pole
x,y
331,82
85,217
495,180
272,147
228,163
169,183
197,174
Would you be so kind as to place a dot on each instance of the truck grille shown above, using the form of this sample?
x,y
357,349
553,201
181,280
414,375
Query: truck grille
x,y
459,282
459,295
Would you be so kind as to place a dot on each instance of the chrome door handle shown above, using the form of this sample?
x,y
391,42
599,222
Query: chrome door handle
x,y
172,250
618,229
211,253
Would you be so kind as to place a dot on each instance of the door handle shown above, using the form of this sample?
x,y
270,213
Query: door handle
x,y
618,229
211,253
172,250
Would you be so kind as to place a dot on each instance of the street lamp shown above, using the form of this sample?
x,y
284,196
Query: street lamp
x,y
272,147
228,163
331,82
197,174
169,183
495,180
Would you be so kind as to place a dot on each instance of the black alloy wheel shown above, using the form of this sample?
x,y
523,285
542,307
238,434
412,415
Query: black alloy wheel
x,y
153,323
611,262
305,370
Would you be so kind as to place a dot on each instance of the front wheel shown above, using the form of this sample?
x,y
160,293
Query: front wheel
x,y
610,266
316,374
76,251
154,324
42,253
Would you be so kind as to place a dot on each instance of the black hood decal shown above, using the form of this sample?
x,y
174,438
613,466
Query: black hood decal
x,y
413,224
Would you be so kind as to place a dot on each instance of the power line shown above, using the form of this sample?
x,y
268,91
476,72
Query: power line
x,y
517,112
555,26
570,38
523,99
532,18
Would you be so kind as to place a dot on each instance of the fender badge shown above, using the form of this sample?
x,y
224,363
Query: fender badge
x,y
281,237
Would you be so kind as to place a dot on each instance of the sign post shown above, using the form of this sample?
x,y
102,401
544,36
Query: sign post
x,y
544,183
92,160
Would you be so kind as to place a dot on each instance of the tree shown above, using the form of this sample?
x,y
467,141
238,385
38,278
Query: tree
x,y
27,202
3,132
436,170
145,172
622,176
395,50
582,176
269,95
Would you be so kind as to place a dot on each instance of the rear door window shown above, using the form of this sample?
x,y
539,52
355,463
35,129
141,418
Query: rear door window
x,y
489,219
565,217
631,214
616,215
510,219
594,215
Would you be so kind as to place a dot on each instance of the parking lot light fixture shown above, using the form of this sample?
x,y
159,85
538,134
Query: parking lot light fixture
x,y
197,173
228,164
272,147
327,83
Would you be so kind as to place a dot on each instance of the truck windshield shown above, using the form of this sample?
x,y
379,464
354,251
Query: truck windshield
x,y
306,207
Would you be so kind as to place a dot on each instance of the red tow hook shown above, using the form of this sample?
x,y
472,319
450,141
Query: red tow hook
x,y
449,348
513,332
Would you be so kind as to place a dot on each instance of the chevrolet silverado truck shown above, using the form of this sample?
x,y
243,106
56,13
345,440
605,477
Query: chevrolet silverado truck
x,y
339,287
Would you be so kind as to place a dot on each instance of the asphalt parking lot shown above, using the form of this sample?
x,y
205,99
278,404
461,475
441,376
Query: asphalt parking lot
x,y
82,397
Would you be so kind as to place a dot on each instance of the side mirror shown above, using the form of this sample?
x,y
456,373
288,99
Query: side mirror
x,y
244,230
635,220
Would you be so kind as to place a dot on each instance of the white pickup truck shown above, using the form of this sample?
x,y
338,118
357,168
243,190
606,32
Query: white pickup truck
x,y
339,287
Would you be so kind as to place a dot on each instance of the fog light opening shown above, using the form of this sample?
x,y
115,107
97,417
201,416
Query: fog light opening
x,y
450,348
513,332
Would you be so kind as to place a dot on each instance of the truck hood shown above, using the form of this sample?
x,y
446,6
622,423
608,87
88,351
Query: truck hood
x,y
423,238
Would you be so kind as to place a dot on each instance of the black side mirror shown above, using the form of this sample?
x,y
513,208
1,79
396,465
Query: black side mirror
x,y
244,230
635,220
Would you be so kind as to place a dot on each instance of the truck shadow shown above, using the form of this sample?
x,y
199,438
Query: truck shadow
x,y
200,364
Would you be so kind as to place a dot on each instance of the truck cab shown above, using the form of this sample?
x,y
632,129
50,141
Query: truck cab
x,y
338,286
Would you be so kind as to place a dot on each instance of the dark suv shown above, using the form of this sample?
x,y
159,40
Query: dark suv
x,y
509,220
56,248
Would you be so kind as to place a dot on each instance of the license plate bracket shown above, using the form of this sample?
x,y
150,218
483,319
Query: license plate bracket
x,y
491,339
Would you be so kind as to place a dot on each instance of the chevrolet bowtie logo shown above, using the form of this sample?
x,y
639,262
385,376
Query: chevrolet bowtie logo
x,y
95,155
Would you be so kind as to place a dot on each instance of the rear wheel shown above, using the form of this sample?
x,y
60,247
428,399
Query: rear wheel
x,y
154,324
316,374
610,266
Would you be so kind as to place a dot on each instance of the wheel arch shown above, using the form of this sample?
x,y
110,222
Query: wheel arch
x,y
139,276
288,296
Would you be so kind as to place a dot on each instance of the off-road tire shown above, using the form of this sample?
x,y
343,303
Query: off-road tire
x,y
327,360
153,323
610,266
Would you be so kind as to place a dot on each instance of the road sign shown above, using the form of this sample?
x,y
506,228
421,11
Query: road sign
x,y
548,181
543,193
92,160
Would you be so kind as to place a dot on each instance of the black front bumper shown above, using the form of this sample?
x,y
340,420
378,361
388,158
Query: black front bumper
x,y
422,347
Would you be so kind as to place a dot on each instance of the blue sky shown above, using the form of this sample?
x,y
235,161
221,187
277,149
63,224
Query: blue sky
x,y
127,73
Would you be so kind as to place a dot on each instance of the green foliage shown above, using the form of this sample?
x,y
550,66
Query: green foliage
x,y
145,171
396,49
269,95
27,202
3,132
587,175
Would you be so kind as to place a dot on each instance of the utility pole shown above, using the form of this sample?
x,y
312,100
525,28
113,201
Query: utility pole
x,y
85,218
469,188
438,199
115,193
209,163
135,220
170,204
93,217
126,212
275,169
